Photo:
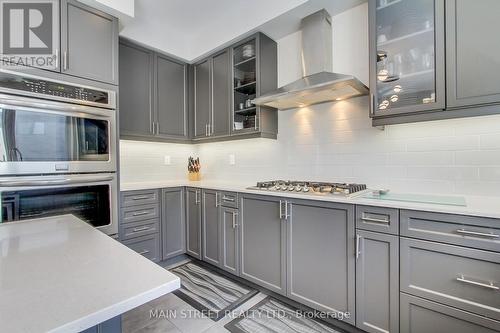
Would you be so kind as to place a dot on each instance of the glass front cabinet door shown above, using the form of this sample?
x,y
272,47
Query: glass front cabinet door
x,y
407,69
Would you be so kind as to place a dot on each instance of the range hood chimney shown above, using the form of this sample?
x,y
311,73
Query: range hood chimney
x,y
318,84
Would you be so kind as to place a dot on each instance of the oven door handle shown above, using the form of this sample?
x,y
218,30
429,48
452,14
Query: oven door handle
x,y
66,181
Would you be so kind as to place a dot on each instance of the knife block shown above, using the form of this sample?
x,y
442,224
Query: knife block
x,y
194,176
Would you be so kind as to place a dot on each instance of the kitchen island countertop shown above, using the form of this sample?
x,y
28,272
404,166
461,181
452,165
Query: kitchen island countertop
x,y
61,275
481,206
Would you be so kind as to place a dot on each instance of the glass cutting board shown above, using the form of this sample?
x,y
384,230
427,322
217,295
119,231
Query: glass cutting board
x,y
420,198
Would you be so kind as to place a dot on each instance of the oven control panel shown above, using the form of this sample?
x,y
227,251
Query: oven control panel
x,y
59,90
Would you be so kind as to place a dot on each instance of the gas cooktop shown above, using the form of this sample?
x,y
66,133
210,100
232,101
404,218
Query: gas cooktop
x,y
307,187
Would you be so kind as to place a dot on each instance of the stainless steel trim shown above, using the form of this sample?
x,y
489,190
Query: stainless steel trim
x,y
477,234
228,199
374,220
234,220
144,212
141,229
143,252
358,250
488,285
10,182
112,94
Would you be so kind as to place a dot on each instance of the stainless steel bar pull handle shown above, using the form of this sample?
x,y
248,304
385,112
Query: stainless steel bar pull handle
x,y
358,250
488,285
286,210
143,252
235,225
145,212
375,220
281,209
477,234
143,197
228,199
141,229
65,61
197,197
217,199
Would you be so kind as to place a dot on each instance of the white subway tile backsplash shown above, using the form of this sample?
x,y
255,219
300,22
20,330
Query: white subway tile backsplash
x,y
443,143
490,141
484,158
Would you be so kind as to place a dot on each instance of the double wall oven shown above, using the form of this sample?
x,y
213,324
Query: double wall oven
x,y
57,151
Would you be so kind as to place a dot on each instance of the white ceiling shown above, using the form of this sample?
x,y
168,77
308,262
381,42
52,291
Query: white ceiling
x,y
189,29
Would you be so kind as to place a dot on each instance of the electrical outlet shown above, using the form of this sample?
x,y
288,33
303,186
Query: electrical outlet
x,y
232,159
167,160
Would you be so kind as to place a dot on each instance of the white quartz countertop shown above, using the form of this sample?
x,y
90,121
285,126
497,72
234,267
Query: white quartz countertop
x,y
475,205
62,275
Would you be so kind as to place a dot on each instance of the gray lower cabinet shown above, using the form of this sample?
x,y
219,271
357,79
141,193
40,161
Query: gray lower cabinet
x,y
193,222
171,116
89,42
263,242
113,325
423,316
211,227
377,282
136,85
320,256
173,226
147,246
230,240
464,278
472,48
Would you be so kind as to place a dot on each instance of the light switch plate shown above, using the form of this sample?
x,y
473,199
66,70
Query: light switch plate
x,y
232,159
167,160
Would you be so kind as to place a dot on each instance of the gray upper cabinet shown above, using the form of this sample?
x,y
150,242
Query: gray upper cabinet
x,y
230,240
211,227
263,242
407,66
221,92
153,95
320,256
193,222
136,85
472,52
202,99
173,228
377,283
171,99
89,42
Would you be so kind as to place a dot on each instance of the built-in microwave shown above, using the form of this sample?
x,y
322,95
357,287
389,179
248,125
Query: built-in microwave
x,y
90,197
51,127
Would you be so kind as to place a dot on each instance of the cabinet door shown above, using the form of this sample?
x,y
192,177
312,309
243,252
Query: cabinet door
x,y
230,240
211,230
407,68
202,99
472,52
173,227
321,266
171,99
136,83
263,242
422,316
89,42
221,94
377,283
193,222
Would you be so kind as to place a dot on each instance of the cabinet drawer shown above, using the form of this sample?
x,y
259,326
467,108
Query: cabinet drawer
x,y
140,213
137,198
142,228
377,219
465,278
422,316
147,246
478,232
229,199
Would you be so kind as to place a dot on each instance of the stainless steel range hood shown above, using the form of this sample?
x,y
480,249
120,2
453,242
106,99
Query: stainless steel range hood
x,y
319,84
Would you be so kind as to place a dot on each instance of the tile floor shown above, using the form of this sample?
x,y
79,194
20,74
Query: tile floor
x,y
177,316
